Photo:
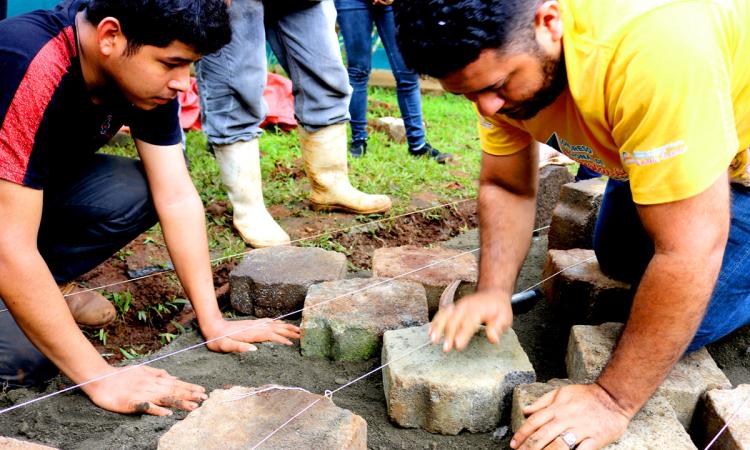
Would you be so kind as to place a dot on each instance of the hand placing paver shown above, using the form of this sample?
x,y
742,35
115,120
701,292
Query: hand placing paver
x,y
390,262
721,406
237,419
351,327
590,348
274,281
450,392
655,427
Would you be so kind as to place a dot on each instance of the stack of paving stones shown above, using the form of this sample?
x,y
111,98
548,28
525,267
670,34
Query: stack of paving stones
x,y
447,393
655,427
574,217
551,180
237,419
397,261
346,319
274,281
725,406
15,444
590,348
582,291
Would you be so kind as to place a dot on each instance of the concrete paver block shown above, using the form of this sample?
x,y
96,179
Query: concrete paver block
x,y
574,217
351,324
390,262
655,427
590,348
15,444
232,419
582,290
447,393
721,406
551,180
274,281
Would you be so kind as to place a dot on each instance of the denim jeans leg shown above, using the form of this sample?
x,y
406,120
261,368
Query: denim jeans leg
x,y
231,81
355,24
407,81
729,308
304,40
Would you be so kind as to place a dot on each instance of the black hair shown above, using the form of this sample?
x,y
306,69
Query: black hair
x,y
438,37
201,24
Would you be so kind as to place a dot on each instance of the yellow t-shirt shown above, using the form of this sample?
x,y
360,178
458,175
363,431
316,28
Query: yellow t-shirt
x,y
658,93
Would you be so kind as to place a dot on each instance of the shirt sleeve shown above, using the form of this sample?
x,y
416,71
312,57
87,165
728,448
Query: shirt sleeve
x,y
499,137
671,106
159,126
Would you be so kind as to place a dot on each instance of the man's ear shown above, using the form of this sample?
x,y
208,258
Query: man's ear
x,y
109,37
548,21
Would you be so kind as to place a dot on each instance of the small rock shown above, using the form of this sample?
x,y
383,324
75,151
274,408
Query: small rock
x,y
500,433
232,419
393,128
340,381
351,327
722,405
273,281
390,262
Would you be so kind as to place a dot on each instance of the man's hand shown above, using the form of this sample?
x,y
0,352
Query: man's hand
x,y
587,411
144,390
461,321
244,332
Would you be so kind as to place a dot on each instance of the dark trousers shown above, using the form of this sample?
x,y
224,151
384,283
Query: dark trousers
x,y
90,212
3,9
623,250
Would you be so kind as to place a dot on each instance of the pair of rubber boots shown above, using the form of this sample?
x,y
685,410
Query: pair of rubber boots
x,y
325,156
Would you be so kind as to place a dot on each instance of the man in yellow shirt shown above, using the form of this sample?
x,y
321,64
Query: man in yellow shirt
x,y
654,94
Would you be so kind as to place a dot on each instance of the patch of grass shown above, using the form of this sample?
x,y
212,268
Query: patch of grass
x,y
121,301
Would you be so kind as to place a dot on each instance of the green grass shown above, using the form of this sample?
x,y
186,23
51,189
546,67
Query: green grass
x,y
387,168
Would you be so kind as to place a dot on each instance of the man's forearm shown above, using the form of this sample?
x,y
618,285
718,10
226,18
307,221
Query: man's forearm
x,y
39,308
667,309
184,228
506,222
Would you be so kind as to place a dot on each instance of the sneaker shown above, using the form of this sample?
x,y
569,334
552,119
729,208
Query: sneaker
x,y
358,148
431,152
89,308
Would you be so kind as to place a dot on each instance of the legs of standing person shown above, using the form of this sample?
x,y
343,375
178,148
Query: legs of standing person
x,y
623,250
232,109
407,88
304,39
90,212
355,23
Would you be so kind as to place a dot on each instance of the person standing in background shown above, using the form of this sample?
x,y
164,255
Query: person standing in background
x,y
356,18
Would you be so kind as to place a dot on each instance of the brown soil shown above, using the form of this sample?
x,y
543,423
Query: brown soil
x,y
156,312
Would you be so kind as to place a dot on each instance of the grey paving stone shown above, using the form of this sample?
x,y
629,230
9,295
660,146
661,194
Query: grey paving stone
x,y
731,406
232,419
274,281
551,180
448,393
574,217
655,427
390,262
590,348
346,319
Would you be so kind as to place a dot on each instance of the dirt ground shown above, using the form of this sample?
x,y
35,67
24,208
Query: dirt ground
x,y
70,421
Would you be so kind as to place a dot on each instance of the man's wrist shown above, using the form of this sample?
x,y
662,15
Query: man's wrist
x,y
615,402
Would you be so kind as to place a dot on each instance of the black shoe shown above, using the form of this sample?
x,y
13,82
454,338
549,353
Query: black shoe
x,y
430,152
358,148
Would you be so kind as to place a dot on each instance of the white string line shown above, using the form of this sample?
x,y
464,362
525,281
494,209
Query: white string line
x,y
734,415
306,238
255,325
329,394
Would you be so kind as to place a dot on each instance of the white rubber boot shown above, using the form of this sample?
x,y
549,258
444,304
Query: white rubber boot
x,y
324,152
239,164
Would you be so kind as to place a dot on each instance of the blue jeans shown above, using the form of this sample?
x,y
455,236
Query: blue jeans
x,y
303,37
624,250
90,211
356,18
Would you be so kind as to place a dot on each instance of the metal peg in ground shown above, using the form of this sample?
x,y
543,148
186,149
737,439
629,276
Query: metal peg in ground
x,y
521,302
